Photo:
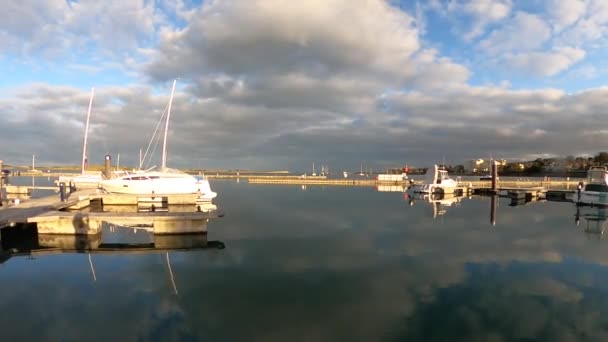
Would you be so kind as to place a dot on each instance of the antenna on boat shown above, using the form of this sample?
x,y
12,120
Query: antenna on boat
x,y
164,159
86,133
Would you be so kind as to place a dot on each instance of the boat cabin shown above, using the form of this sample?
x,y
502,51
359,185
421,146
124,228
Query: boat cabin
x,y
597,179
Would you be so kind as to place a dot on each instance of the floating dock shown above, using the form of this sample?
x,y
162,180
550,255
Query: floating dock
x,y
64,215
474,184
318,181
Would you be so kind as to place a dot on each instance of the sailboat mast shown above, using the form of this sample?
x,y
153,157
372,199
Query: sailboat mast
x,y
164,159
86,133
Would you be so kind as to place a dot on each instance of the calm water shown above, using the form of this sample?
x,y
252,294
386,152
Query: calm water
x,y
332,264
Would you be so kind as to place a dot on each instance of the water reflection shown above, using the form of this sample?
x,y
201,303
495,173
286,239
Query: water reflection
x,y
594,220
331,264
438,202
24,240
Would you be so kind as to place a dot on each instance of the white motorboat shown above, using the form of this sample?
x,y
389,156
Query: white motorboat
x,y
436,181
595,191
163,180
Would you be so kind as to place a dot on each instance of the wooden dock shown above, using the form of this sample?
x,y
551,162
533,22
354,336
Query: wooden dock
x,y
9,216
318,181
474,184
50,215
90,223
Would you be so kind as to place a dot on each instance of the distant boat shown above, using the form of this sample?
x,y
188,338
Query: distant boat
x,y
436,181
486,178
324,171
345,174
361,172
595,192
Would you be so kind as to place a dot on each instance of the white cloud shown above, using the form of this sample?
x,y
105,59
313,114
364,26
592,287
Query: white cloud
x,y
524,32
80,32
316,36
482,12
271,80
546,63
563,13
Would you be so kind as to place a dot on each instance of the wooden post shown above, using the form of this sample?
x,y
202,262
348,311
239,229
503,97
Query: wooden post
x,y
62,191
494,177
108,166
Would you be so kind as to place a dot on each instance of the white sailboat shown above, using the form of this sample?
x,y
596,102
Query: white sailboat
x,y
85,179
163,180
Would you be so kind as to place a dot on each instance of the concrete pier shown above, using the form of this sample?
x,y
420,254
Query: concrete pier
x,y
59,222
172,214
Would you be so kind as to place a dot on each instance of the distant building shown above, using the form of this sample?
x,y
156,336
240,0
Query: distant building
x,y
559,165
481,165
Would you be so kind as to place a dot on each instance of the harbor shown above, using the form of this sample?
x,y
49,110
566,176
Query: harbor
x,y
72,211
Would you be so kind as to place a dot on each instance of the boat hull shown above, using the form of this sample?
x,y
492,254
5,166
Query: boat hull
x,y
592,198
433,189
159,186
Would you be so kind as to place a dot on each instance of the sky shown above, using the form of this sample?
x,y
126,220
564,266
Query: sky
x,y
277,84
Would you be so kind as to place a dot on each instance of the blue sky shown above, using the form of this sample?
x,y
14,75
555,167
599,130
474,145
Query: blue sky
x,y
278,84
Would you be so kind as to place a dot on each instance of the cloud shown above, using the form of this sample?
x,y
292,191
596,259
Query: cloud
x,y
273,85
318,38
523,32
546,63
81,32
563,13
582,27
482,13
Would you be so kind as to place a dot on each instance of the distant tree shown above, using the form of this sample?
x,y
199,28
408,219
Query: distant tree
x,y
533,169
601,158
511,168
457,169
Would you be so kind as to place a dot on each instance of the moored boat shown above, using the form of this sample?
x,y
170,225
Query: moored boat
x,y
436,181
163,180
595,190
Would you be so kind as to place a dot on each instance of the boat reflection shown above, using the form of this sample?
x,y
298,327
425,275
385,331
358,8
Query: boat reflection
x,y
593,220
24,241
391,188
439,202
